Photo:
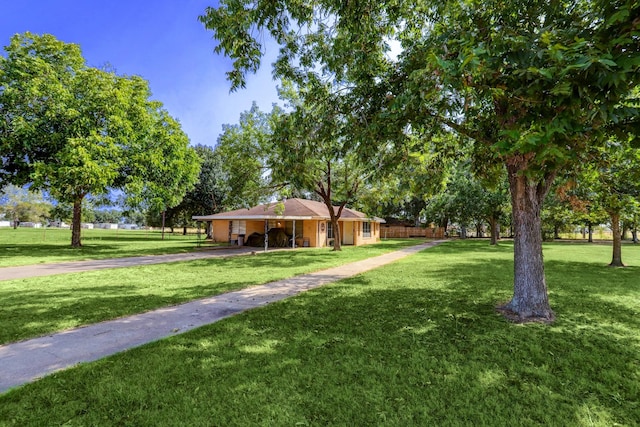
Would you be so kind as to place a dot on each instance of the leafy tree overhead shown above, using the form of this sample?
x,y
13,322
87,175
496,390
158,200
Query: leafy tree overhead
x,y
530,83
77,131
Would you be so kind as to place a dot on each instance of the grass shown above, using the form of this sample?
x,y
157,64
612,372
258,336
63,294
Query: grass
x,y
415,343
25,246
40,305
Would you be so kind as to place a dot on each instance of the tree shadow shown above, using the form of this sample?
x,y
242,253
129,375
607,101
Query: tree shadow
x,y
386,347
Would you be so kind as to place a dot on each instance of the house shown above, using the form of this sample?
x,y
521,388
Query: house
x,y
128,226
309,221
30,224
106,226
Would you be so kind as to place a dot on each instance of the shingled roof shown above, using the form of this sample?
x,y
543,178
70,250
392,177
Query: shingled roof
x,y
298,209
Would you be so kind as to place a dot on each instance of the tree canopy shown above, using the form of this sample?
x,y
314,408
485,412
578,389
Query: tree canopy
x,y
530,83
245,149
75,130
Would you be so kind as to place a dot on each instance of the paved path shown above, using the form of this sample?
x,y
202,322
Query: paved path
x,y
27,361
24,271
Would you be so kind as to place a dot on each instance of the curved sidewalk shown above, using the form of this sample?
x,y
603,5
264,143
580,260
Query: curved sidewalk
x,y
26,361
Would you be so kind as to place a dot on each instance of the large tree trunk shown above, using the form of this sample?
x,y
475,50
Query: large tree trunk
x,y
530,300
337,238
590,234
76,224
495,230
616,260
325,193
163,220
445,224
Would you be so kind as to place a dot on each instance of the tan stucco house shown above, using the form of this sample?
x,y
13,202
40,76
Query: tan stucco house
x,y
307,220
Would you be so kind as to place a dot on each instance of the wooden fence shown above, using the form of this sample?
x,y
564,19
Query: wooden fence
x,y
401,231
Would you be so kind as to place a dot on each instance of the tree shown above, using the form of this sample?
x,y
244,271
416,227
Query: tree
x,y
77,131
560,208
583,199
113,216
531,83
313,150
35,77
208,195
632,218
404,190
161,167
615,173
467,199
244,150
494,199
21,205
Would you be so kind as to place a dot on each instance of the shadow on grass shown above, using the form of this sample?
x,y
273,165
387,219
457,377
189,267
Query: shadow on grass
x,y
57,252
42,305
415,343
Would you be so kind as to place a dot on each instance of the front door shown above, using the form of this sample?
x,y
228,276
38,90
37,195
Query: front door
x,y
347,228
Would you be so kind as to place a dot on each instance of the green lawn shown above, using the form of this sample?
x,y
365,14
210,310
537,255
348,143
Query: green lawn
x,y
24,246
414,343
40,305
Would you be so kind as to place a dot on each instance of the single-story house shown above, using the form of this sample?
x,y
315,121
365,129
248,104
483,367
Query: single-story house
x,y
106,225
30,224
128,226
304,223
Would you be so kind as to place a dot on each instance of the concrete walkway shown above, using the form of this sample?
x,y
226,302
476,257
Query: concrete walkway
x,y
26,361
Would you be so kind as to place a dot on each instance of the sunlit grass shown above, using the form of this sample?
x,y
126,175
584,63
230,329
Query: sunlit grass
x,y
414,343
24,246
36,306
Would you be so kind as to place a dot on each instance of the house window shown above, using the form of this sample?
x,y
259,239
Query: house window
x,y
366,229
238,227
329,230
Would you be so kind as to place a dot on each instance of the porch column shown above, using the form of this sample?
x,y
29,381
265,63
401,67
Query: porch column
x,y
293,242
266,235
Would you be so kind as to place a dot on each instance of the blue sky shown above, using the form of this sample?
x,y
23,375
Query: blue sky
x,y
161,41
